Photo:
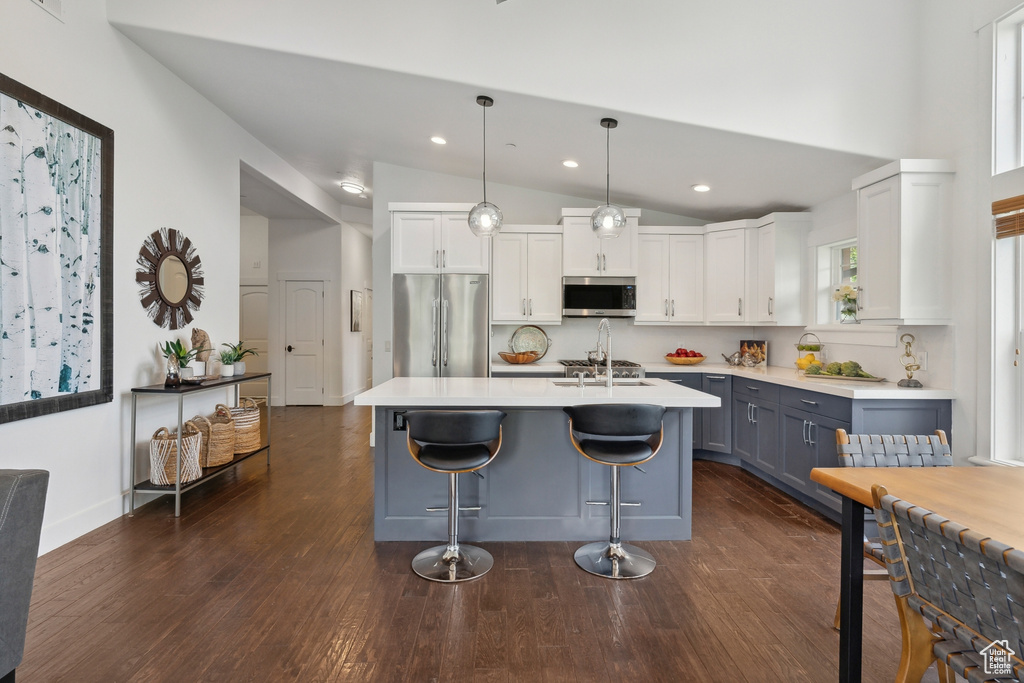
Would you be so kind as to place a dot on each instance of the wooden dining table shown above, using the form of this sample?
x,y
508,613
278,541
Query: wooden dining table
x,y
989,500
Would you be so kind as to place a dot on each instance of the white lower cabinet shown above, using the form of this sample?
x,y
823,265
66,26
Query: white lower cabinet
x,y
527,278
670,281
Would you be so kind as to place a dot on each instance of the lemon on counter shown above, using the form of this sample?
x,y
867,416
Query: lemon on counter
x,y
806,361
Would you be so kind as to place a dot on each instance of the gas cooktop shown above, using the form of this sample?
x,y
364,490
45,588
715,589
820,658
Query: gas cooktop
x,y
620,368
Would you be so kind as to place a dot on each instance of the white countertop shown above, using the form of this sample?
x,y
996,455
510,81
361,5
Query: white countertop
x,y
788,377
524,392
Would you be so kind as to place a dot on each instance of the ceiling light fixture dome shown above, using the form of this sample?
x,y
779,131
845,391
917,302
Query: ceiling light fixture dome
x,y
485,218
701,187
438,140
608,220
351,187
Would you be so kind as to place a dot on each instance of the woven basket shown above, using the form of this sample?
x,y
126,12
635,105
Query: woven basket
x,y
247,425
218,444
163,455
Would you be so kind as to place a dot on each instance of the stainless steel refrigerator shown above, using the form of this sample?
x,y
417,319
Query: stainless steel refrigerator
x,y
441,325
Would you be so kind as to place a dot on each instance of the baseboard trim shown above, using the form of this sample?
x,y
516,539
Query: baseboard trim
x,y
68,529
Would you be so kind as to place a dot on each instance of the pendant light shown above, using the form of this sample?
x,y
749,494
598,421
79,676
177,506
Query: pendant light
x,y
485,218
607,220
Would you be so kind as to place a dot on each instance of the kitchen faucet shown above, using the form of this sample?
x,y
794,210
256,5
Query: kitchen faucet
x,y
607,326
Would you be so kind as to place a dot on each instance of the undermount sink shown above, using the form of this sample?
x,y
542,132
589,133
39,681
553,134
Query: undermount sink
x,y
591,382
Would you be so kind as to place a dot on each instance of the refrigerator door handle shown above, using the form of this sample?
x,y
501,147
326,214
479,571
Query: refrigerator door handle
x,y
444,332
433,334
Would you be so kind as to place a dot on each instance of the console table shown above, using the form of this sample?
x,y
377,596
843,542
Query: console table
x,y
179,392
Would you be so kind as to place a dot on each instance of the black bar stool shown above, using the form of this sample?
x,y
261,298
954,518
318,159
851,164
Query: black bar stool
x,y
617,435
452,442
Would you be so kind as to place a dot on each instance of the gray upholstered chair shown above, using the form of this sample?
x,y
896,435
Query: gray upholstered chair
x,y
970,587
22,497
888,450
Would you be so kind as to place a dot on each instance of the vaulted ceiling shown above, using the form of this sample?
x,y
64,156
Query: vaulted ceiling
x,y
776,106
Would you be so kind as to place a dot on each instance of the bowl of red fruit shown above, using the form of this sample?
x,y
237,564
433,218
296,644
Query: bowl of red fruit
x,y
683,356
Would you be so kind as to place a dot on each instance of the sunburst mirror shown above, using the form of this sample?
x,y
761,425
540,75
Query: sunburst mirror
x,y
170,278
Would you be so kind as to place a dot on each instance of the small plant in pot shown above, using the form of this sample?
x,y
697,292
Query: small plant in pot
x,y
227,363
178,358
239,352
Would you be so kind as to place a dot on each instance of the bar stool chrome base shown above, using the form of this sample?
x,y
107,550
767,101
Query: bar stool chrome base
x,y
439,564
615,560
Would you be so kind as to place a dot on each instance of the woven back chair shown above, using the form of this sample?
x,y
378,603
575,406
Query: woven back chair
x,y
970,587
888,450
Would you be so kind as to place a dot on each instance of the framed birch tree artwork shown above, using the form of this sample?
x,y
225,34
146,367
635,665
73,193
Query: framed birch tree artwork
x,y
56,256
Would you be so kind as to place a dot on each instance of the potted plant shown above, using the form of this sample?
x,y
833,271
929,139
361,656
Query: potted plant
x,y
178,358
239,351
227,363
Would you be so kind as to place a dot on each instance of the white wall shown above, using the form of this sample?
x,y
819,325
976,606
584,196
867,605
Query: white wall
x,y
253,261
356,274
176,164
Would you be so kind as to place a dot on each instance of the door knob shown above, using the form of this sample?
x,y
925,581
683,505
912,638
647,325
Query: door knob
x,y
289,348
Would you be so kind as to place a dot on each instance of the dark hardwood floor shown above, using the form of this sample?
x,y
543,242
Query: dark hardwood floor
x,y
273,575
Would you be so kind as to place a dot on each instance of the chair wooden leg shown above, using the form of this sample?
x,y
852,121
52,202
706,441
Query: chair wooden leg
x,y
918,639
835,623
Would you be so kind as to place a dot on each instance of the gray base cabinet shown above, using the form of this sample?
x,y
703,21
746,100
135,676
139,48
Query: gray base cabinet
x,y
693,380
756,423
781,433
716,423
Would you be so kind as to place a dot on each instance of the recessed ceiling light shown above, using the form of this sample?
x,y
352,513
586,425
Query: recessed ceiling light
x,y
569,163
701,188
349,186
438,140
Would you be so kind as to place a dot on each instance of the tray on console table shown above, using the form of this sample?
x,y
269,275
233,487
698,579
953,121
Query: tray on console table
x,y
177,488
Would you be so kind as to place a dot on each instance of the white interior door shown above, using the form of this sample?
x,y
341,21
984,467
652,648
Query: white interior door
x,y
368,334
253,329
304,343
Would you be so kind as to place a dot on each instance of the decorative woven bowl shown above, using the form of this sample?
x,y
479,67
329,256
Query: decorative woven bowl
x,y
518,358
685,361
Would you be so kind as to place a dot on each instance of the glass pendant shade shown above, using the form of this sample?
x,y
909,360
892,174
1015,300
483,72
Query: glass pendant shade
x,y
485,219
607,221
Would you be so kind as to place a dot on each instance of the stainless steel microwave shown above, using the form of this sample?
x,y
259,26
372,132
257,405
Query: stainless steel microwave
x,y
599,297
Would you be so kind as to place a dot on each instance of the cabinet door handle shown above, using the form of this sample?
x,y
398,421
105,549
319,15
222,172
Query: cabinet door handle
x,y
666,306
753,388
673,308
810,403
531,306
444,258
598,263
524,306
437,259
604,262
771,307
753,413
715,378
810,441
804,432
739,307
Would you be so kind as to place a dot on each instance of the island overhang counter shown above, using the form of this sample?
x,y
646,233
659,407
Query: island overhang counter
x,y
538,486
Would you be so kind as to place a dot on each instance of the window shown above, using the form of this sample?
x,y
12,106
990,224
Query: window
x,y
1007,106
842,271
1007,337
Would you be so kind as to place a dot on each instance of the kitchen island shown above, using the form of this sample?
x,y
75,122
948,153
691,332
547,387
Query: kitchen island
x,y
537,487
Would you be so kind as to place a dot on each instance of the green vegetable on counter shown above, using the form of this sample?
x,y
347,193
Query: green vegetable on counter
x,y
813,369
833,368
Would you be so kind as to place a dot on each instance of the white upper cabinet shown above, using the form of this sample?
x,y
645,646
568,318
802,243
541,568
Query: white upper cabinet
x,y
782,279
527,278
586,255
728,251
670,281
432,241
903,250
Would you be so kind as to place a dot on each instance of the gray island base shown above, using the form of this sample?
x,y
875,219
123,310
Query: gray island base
x,y
538,486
